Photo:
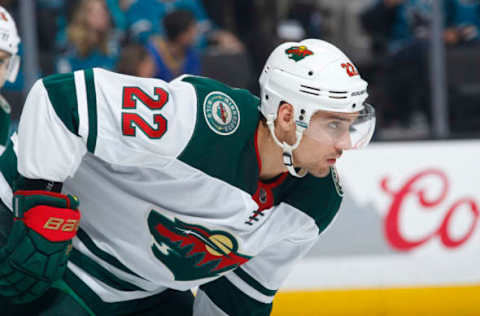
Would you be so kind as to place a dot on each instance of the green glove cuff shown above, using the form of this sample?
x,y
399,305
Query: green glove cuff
x,y
25,200
30,264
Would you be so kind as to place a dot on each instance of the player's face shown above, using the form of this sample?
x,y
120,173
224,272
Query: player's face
x,y
4,61
97,16
323,142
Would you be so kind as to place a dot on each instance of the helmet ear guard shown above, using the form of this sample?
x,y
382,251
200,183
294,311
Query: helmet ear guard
x,y
287,148
312,76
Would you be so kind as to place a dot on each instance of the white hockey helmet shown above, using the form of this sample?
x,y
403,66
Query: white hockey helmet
x,y
314,75
9,41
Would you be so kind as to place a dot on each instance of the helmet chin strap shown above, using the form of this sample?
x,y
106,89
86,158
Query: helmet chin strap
x,y
287,148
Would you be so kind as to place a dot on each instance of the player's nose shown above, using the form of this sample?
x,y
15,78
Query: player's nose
x,y
344,142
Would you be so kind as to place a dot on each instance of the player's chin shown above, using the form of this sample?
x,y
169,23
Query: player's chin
x,y
320,172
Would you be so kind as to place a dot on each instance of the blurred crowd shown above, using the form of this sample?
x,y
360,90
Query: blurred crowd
x,y
401,31
230,40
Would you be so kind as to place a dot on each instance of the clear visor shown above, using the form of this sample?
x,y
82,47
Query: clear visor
x,y
345,130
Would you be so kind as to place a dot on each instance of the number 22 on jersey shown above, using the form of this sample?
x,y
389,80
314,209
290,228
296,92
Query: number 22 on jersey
x,y
132,120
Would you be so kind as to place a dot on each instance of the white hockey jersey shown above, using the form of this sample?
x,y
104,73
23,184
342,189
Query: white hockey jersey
x,y
167,175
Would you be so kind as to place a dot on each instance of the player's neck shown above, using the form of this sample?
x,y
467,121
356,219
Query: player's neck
x,y
270,154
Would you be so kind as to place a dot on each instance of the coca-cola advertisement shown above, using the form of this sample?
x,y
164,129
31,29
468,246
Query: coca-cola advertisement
x,y
410,217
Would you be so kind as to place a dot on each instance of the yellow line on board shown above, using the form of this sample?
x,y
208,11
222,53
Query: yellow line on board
x,y
434,301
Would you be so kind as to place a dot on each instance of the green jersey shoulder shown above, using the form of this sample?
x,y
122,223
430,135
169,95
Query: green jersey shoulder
x,y
222,144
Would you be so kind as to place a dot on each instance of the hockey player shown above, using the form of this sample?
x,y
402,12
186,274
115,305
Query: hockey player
x,y
181,184
9,64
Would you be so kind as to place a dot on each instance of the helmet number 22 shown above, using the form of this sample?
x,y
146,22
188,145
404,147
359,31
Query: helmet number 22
x,y
131,120
351,70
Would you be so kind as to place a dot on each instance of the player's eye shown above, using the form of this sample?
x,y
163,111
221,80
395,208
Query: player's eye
x,y
333,125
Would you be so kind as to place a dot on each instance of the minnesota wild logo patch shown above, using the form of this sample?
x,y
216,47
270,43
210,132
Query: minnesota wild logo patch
x,y
192,251
298,52
221,113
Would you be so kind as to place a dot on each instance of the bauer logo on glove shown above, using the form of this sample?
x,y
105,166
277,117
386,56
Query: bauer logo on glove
x,y
56,221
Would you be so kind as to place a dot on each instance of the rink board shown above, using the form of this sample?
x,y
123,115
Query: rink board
x,y
440,301
406,240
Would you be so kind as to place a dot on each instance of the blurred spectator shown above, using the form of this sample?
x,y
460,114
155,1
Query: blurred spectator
x,y
48,10
463,17
145,19
400,31
65,11
118,9
239,17
312,17
92,41
396,24
249,21
135,60
175,54
290,31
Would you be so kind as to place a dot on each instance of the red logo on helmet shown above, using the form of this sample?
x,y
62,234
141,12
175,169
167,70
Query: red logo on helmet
x,y
298,52
351,70
3,16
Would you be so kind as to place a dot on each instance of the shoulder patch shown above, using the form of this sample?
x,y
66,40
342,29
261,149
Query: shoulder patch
x,y
221,113
336,181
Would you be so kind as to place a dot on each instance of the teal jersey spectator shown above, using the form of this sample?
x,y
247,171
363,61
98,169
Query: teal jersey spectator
x,y
412,19
92,40
144,17
118,16
71,61
465,13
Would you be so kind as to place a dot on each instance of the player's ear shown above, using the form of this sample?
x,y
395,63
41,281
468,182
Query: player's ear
x,y
285,117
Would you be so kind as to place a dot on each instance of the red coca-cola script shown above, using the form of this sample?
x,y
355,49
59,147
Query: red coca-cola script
x,y
413,188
